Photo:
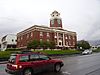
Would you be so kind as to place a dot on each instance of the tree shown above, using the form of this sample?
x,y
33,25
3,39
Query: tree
x,y
29,45
52,45
83,44
33,44
43,44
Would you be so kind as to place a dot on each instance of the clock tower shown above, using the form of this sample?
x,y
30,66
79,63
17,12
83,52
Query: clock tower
x,y
55,20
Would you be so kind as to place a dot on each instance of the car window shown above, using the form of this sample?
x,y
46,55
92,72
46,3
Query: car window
x,y
43,57
24,58
34,57
12,59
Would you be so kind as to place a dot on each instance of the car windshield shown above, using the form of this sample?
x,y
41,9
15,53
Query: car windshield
x,y
12,59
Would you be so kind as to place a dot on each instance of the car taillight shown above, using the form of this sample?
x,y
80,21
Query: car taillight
x,y
20,66
17,66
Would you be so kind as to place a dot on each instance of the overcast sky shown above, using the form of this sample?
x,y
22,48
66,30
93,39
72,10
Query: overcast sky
x,y
81,16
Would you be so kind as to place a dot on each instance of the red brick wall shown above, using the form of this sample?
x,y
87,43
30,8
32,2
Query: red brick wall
x,y
36,35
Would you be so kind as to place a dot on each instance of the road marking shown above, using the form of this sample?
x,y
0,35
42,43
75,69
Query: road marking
x,y
66,73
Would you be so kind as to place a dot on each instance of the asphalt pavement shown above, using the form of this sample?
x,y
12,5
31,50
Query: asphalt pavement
x,y
74,65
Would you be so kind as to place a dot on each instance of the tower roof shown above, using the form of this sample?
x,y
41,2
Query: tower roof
x,y
55,12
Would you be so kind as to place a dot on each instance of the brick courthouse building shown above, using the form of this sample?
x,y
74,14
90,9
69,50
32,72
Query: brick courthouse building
x,y
56,33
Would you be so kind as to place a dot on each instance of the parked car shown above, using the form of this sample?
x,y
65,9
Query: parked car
x,y
87,51
28,63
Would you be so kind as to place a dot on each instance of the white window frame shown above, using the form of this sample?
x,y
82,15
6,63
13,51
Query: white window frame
x,y
41,33
31,34
40,39
48,40
48,34
69,37
27,35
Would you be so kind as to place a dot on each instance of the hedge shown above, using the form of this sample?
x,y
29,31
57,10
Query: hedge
x,y
97,50
12,49
6,54
59,52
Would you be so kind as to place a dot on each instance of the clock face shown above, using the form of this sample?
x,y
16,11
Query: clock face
x,y
52,22
59,22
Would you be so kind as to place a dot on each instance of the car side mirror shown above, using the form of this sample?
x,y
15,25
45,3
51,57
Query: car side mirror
x,y
49,58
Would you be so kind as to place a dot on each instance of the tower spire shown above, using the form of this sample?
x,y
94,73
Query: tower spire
x,y
55,20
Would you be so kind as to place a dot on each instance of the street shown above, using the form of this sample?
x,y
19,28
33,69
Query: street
x,y
75,65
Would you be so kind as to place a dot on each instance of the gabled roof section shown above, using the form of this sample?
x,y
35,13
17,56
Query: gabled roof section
x,y
45,28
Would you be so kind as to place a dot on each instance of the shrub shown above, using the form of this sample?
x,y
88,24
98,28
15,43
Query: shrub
x,y
67,52
5,54
97,50
13,49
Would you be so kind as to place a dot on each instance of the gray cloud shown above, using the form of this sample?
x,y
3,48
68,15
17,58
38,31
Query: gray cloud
x,y
82,16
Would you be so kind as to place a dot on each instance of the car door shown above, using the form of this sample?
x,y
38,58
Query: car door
x,y
46,62
36,63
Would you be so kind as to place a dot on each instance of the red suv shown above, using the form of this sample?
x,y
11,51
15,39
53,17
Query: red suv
x,y
27,63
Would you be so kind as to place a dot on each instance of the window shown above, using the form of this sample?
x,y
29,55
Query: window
x,y
59,43
12,40
34,57
21,37
41,33
66,37
40,39
73,37
48,40
58,21
69,43
18,39
24,58
47,34
73,43
69,37
43,57
31,34
66,43
27,35
12,59
52,22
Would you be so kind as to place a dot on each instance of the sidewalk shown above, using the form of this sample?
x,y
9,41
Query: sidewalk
x,y
3,62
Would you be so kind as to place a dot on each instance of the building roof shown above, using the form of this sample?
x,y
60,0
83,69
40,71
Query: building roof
x,y
42,27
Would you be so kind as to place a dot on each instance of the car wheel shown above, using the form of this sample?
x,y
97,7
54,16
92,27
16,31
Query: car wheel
x,y
27,72
57,67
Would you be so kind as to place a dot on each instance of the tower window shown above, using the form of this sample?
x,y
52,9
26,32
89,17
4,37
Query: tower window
x,y
58,21
52,22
